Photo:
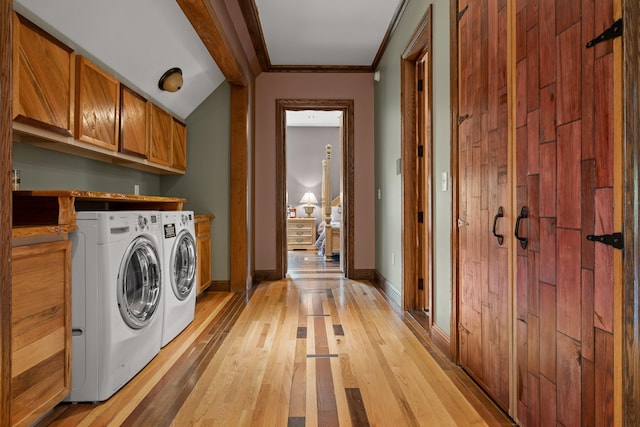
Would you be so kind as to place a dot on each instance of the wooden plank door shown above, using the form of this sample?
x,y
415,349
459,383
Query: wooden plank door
x,y
484,191
565,177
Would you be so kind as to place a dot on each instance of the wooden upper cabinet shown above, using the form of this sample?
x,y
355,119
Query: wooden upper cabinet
x,y
179,144
97,105
160,149
134,123
43,78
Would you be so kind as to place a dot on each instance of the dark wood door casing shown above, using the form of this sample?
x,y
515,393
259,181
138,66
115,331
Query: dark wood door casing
x,y
347,108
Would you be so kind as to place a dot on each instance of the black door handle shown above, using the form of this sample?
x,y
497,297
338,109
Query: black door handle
x,y
523,240
500,237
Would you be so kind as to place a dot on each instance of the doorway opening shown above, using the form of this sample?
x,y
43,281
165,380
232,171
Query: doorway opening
x,y
313,165
301,155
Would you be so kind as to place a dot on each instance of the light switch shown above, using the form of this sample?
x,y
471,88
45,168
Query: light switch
x,y
445,181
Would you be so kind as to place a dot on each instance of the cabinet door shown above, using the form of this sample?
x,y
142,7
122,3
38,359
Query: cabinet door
x,y
134,123
43,76
160,150
40,329
203,248
179,145
97,105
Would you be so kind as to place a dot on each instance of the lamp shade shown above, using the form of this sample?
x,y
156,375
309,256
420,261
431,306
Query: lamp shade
x,y
309,198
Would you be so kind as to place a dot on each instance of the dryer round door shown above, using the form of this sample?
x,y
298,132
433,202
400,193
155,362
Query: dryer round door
x,y
183,265
139,282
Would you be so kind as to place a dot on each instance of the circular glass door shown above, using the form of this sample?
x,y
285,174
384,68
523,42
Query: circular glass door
x,y
183,265
139,283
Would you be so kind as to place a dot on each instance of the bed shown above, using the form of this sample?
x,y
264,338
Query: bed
x,y
328,242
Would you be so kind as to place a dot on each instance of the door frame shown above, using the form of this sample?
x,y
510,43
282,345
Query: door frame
x,y
419,46
347,173
628,338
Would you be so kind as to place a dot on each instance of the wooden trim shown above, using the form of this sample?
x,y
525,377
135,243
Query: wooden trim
x,y
631,227
219,286
239,210
363,274
321,69
390,292
347,107
414,52
392,28
250,15
208,26
455,190
440,339
266,276
6,8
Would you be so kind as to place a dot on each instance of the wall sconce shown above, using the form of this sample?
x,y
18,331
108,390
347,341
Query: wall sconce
x,y
309,198
171,80
376,76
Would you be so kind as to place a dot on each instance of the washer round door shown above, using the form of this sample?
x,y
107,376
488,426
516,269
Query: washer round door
x,y
139,281
183,265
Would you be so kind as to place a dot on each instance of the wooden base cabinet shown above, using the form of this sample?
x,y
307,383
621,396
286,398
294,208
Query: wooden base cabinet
x,y
40,329
203,249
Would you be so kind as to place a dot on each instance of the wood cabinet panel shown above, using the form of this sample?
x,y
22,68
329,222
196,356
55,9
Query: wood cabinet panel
x,y
134,123
160,149
43,78
41,329
179,145
203,249
97,105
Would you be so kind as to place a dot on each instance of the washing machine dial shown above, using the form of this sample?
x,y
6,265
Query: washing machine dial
x,y
142,222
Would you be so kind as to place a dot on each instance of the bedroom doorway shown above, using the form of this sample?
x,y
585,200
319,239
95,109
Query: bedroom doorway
x,y
304,130
313,165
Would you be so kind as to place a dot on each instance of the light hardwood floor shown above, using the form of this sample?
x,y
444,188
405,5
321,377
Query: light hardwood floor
x,y
314,349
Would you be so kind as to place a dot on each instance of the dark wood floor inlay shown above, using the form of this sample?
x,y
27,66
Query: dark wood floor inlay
x,y
296,422
326,398
357,410
337,330
302,332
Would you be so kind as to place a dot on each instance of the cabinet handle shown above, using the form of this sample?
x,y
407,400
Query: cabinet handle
x,y
500,237
523,240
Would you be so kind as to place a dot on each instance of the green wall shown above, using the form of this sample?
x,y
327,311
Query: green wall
x,y
42,169
206,183
388,150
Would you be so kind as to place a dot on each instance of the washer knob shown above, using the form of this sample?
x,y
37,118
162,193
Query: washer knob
x,y
142,222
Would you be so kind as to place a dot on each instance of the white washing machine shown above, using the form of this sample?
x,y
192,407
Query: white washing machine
x,y
116,300
179,270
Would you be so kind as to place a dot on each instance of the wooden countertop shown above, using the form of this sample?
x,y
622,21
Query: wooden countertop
x,y
53,208
203,217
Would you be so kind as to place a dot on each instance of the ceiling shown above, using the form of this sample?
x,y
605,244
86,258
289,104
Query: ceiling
x,y
139,40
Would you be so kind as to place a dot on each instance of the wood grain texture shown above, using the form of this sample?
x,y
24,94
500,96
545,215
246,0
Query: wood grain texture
x,y
179,145
631,147
43,78
161,137
202,226
40,329
97,105
134,123
242,362
6,92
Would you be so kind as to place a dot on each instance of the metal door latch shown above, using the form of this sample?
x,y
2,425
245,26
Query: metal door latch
x,y
616,239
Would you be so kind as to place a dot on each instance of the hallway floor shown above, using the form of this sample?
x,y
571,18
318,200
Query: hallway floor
x,y
314,349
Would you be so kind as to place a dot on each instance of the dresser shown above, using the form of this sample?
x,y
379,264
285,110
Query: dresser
x,y
301,233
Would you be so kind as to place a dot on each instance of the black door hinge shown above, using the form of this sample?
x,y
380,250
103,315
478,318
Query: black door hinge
x,y
462,12
420,217
420,284
616,239
420,150
420,85
612,32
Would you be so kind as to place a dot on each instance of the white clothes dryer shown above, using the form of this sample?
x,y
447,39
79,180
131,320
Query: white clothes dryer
x,y
179,269
116,300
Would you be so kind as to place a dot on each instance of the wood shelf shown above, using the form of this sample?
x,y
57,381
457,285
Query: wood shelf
x,y
49,140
